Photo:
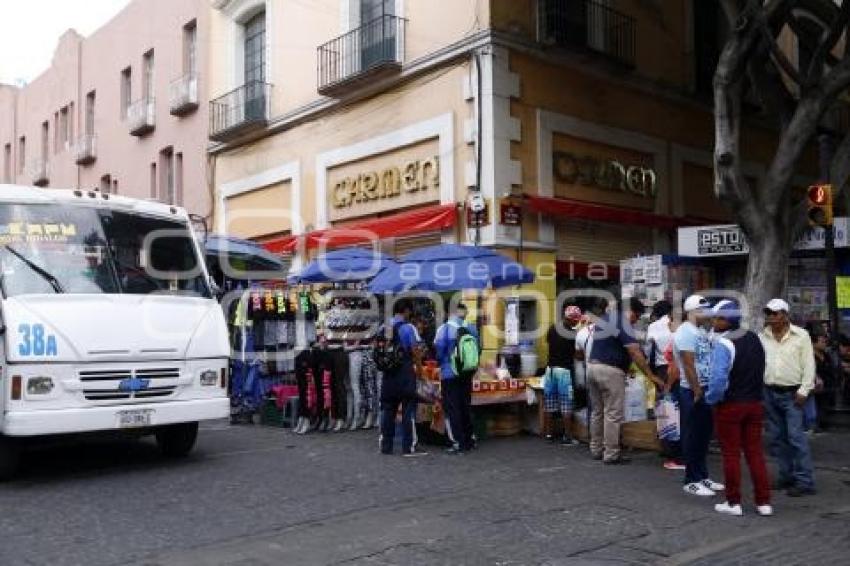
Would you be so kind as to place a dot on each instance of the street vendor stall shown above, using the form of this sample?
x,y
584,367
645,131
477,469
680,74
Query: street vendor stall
x,y
450,268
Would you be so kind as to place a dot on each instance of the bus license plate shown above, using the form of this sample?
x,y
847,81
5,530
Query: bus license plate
x,y
135,418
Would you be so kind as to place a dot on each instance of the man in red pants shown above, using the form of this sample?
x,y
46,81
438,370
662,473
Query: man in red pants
x,y
735,389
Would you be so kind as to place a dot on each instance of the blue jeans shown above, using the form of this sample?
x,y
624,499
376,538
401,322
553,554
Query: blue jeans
x,y
788,443
696,425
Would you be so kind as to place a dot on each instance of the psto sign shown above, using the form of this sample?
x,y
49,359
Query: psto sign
x,y
608,174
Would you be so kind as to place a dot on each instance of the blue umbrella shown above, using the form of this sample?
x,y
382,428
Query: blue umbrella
x,y
450,268
341,266
251,256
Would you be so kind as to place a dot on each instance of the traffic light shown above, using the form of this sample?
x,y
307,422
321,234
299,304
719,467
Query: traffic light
x,y
820,205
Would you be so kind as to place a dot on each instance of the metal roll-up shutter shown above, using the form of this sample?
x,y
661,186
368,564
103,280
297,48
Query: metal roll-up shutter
x,y
589,241
406,245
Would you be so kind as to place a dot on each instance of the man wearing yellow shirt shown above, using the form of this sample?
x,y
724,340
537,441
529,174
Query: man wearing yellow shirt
x,y
789,379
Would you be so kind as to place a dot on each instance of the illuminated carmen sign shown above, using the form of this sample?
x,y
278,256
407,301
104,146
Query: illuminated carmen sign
x,y
413,176
606,174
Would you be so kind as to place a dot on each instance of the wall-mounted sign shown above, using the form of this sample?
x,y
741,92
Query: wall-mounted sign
x,y
608,174
412,177
510,212
479,217
729,239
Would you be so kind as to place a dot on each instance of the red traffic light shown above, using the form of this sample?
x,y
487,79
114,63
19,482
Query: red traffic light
x,y
818,194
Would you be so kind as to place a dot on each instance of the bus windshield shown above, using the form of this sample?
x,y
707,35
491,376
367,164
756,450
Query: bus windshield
x,y
49,248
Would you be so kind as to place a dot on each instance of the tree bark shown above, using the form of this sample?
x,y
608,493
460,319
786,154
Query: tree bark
x,y
766,275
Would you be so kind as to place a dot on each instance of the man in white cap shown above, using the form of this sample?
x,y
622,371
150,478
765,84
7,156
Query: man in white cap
x,y
692,353
789,379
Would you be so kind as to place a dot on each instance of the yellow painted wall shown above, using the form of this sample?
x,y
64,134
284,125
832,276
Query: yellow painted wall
x,y
254,214
661,52
576,92
430,96
296,28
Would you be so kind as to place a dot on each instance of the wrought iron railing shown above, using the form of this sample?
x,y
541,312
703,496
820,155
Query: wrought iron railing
x,y
244,107
141,116
85,149
590,25
183,94
375,44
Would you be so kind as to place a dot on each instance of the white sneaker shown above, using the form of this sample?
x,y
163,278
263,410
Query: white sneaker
x,y
765,510
727,509
699,489
713,485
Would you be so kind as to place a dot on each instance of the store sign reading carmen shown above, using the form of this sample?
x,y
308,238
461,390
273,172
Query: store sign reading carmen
x,y
412,177
604,173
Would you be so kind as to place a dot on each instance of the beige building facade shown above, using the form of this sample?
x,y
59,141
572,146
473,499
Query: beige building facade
x,y
592,117
123,111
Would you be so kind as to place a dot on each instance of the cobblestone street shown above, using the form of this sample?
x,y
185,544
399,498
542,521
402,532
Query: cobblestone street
x,y
251,496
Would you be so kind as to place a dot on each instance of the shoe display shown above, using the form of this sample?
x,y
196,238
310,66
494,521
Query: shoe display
x,y
727,509
765,510
698,489
673,465
713,485
796,491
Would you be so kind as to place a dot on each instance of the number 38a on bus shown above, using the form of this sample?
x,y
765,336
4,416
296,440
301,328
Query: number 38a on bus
x,y
34,341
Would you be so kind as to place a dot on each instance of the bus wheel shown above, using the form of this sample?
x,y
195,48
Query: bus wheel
x,y
10,457
177,440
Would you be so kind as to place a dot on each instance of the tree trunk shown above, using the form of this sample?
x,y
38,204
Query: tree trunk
x,y
766,274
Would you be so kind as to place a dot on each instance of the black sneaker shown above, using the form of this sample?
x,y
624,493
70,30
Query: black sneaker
x,y
796,491
618,461
568,441
455,451
779,485
596,456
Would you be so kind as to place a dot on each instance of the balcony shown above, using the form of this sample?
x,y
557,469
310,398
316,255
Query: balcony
x,y
370,52
589,26
183,95
39,172
141,116
85,149
240,111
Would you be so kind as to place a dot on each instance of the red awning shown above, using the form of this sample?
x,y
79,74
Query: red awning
x,y
419,221
603,213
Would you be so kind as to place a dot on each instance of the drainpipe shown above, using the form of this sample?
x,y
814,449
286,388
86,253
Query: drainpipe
x,y
79,107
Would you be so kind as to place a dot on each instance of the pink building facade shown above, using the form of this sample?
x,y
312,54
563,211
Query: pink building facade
x,y
124,110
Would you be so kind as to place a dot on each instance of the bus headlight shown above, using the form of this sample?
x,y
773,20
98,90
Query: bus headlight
x,y
41,385
209,377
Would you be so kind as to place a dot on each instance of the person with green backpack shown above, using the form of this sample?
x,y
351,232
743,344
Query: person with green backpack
x,y
458,352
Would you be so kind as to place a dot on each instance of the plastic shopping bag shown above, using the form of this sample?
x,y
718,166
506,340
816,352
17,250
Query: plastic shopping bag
x,y
427,392
635,402
667,419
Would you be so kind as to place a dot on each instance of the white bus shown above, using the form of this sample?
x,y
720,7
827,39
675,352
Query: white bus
x,y
108,321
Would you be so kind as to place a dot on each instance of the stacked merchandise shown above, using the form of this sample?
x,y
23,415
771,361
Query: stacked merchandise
x,y
807,290
268,323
